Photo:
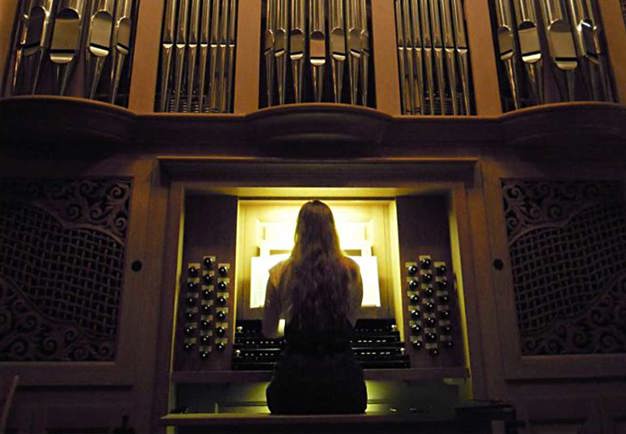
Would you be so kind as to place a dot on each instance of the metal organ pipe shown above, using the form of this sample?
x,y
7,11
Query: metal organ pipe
x,y
462,50
55,38
317,43
37,41
589,49
428,54
417,55
296,46
198,45
561,46
507,47
449,51
402,61
572,48
167,52
122,32
99,42
17,57
306,35
530,46
337,46
433,57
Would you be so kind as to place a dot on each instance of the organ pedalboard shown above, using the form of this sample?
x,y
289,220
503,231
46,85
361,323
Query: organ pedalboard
x,y
206,307
429,309
375,342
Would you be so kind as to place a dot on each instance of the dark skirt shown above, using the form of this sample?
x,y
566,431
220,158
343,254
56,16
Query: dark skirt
x,y
317,383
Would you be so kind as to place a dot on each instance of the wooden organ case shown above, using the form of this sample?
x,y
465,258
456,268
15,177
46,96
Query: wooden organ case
x,y
152,155
411,327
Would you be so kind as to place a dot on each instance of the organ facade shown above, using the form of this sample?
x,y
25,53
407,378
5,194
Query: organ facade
x,y
155,154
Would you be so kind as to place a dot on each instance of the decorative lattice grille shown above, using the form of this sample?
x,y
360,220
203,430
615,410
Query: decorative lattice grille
x,y
567,243
62,247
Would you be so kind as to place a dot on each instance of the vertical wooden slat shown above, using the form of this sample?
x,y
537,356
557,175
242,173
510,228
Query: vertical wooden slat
x,y
483,58
173,242
248,57
467,290
385,57
146,56
7,15
613,17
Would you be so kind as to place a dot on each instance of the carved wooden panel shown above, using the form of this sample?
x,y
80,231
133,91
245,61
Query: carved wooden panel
x,y
62,245
567,243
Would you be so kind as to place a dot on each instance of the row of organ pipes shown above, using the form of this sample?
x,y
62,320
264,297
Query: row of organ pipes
x,y
198,56
433,57
312,50
53,37
573,51
307,37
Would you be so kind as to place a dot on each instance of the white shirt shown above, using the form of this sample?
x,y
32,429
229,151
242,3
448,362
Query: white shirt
x,y
278,301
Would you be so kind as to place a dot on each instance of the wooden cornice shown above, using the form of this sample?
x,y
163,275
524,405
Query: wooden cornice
x,y
48,126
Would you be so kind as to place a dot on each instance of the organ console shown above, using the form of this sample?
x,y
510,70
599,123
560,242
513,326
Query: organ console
x,y
410,322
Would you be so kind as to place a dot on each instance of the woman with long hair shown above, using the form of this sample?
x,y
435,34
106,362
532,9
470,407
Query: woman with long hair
x,y
318,291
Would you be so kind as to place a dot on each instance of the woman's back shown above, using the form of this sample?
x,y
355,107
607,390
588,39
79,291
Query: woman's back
x,y
279,300
318,291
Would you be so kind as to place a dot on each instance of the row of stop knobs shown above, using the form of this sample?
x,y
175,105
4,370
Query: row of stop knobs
x,y
205,325
429,305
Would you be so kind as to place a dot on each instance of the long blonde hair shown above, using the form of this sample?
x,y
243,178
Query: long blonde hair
x,y
317,274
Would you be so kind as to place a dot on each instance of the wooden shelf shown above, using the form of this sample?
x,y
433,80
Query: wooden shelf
x,y
210,419
415,374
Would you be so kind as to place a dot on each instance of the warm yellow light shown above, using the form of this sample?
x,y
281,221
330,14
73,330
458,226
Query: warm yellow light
x,y
275,223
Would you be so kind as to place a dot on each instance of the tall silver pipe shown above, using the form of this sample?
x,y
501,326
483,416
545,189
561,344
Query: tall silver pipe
x,y
589,48
365,52
428,54
213,54
409,58
530,46
603,65
18,45
281,48
407,54
66,40
317,46
436,25
121,42
192,51
418,58
353,27
269,47
405,86
561,46
182,27
99,42
507,49
230,54
297,46
447,31
205,22
37,40
462,51
337,46
223,57
167,52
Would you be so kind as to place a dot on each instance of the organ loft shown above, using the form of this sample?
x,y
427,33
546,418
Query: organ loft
x,y
155,153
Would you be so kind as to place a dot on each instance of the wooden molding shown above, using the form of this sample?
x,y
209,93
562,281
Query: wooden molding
x,y
49,126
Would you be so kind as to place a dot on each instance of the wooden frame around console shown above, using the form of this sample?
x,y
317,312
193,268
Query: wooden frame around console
x,y
196,173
